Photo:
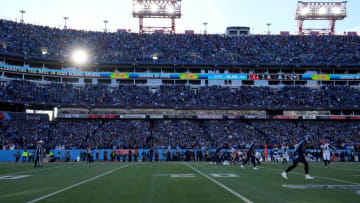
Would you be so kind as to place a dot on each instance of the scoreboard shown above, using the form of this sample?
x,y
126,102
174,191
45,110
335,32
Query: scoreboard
x,y
274,77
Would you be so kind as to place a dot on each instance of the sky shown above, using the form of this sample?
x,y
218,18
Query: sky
x,y
219,14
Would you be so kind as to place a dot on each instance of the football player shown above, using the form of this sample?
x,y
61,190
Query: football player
x,y
326,152
299,157
284,154
250,154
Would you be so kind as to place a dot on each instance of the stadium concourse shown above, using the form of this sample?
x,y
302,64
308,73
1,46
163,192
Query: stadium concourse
x,y
130,126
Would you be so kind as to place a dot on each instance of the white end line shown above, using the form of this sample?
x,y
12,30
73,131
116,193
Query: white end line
x,y
75,185
221,185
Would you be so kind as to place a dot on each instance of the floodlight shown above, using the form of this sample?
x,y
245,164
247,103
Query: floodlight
x,y
138,8
322,11
170,10
80,56
304,11
336,10
154,8
163,9
331,11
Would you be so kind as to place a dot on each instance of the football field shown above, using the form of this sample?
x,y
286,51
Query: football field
x,y
176,182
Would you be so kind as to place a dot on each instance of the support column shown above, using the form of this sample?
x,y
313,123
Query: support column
x,y
172,25
300,27
332,26
141,25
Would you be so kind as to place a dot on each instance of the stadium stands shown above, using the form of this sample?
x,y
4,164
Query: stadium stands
x,y
28,40
246,96
186,134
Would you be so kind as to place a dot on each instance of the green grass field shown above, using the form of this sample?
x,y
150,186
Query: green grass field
x,y
176,182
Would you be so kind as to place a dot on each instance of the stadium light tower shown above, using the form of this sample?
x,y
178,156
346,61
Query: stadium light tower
x,y
105,22
331,11
163,9
22,16
205,24
268,25
65,19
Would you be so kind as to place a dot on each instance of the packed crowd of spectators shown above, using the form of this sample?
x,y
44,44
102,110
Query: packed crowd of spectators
x,y
165,134
248,96
26,39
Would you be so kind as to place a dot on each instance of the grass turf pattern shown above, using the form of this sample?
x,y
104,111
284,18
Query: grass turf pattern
x,y
153,182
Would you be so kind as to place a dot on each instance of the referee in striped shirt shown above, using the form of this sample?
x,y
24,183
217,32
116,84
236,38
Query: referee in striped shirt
x,y
38,154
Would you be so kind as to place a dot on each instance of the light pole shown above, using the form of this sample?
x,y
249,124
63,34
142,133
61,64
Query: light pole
x,y
268,25
65,18
105,22
22,16
205,24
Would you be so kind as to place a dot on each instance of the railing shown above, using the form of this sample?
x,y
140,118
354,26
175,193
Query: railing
x,y
194,63
188,107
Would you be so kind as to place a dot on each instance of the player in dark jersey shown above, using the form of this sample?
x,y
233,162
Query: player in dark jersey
x,y
88,153
218,154
299,157
250,154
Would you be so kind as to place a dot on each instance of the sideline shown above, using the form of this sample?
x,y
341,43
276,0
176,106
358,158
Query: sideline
x,y
337,168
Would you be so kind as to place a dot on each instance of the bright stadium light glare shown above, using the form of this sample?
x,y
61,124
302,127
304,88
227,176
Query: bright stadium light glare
x,y
80,56
154,8
171,10
322,11
304,11
336,10
138,8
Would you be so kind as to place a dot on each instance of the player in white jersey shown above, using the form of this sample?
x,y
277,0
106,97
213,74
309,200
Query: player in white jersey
x,y
284,154
258,157
326,152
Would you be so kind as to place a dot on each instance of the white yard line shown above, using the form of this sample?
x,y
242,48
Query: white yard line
x,y
333,179
75,185
337,168
322,186
221,185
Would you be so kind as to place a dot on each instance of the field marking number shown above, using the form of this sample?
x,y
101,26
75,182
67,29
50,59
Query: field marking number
x,y
185,175
224,175
13,177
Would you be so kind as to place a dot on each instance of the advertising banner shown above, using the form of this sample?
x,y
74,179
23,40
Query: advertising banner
x,y
125,151
180,76
286,117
